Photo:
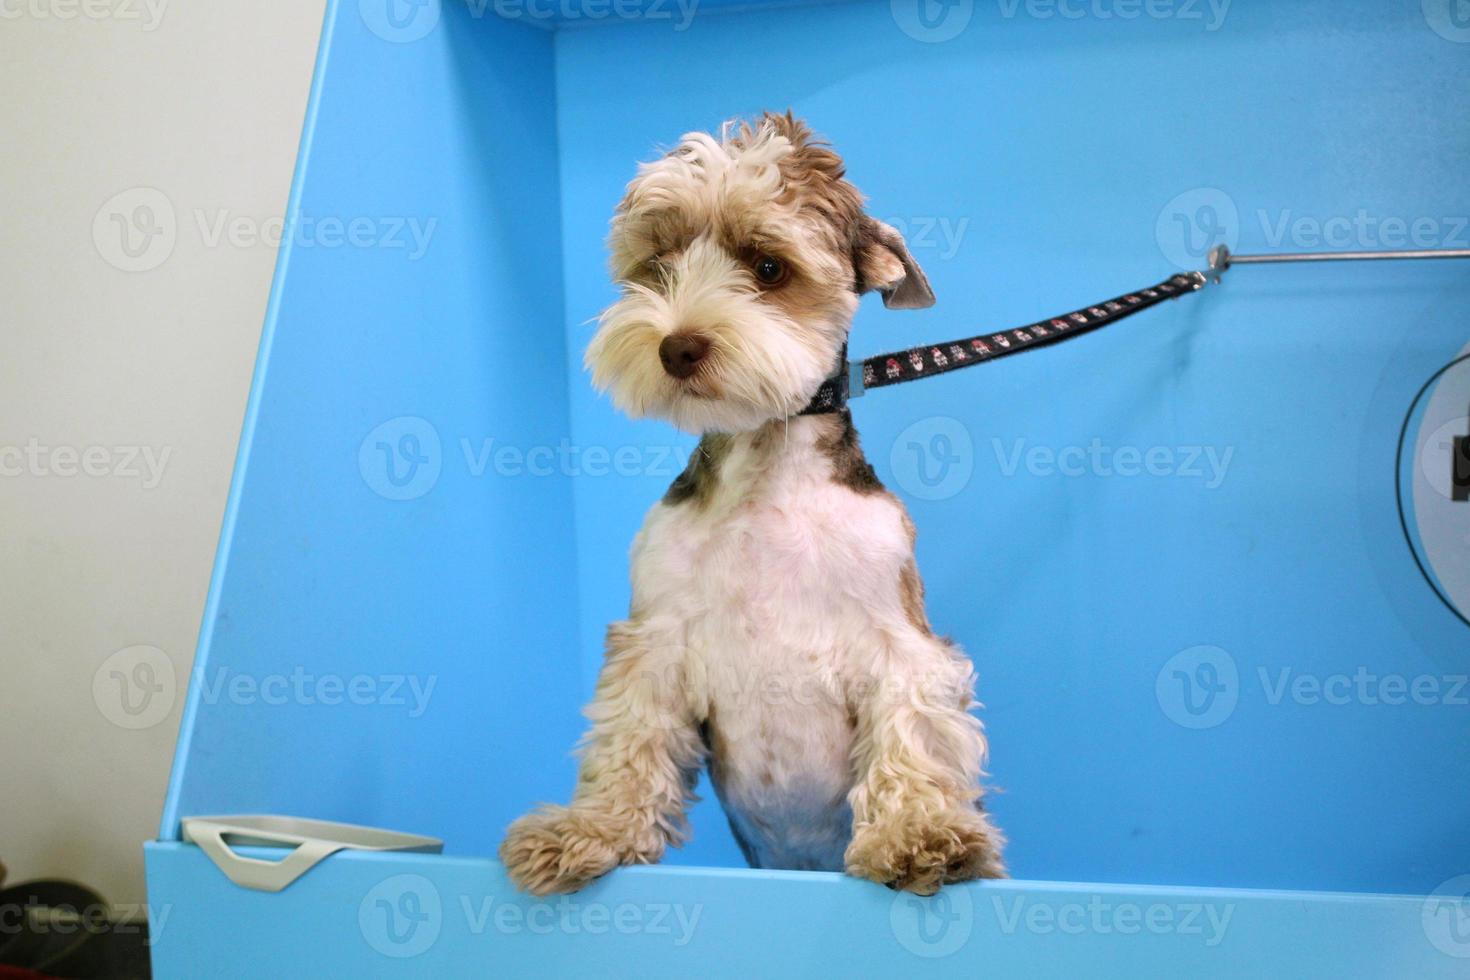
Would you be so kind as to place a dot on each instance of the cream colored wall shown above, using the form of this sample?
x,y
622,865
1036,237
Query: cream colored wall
x,y
123,377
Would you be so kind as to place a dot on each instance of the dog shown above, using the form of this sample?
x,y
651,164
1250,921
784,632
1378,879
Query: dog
x,y
777,631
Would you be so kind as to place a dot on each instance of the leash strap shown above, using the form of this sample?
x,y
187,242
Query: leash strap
x,y
929,360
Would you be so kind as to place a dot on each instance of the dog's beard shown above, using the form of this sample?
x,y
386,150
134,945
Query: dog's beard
x,y
762,363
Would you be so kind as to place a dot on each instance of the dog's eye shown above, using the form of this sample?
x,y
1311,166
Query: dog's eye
x,y
770,271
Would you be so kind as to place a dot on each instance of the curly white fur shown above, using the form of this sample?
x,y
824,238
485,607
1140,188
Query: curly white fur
x,y
764,364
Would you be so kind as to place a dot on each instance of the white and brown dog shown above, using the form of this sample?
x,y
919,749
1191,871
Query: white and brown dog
x,y
777,627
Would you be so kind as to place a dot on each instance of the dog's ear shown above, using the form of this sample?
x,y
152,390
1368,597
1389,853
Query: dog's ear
x,y
883,262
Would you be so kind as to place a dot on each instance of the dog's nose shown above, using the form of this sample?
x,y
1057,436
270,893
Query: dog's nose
x,y
682,352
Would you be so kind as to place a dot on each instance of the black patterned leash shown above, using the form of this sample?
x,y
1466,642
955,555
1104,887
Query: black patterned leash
x,y
932,359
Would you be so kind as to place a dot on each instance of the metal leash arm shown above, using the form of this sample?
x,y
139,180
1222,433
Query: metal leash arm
x,y
931,359
1222,259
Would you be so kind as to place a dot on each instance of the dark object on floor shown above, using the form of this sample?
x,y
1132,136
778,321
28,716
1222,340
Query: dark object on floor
x,y
61,929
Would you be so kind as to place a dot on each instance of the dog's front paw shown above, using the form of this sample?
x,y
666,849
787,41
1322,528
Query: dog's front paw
x,y
559,849
919,853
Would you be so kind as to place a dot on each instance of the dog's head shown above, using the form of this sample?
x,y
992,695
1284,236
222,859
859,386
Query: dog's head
x,y
740,259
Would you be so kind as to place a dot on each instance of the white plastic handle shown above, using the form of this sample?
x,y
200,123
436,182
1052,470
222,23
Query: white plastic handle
x,y
259,873
311,841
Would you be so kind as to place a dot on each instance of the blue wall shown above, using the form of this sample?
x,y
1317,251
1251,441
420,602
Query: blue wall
x,y
1048,163
460,578
1039,163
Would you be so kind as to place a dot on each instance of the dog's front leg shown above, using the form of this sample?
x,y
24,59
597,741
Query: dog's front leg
x,y
639,760
917,818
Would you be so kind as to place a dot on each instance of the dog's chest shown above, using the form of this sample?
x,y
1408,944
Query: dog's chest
x,y
773,583
788,559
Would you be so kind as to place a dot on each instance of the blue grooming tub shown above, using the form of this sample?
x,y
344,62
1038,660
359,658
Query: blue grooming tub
x,y
1223,661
